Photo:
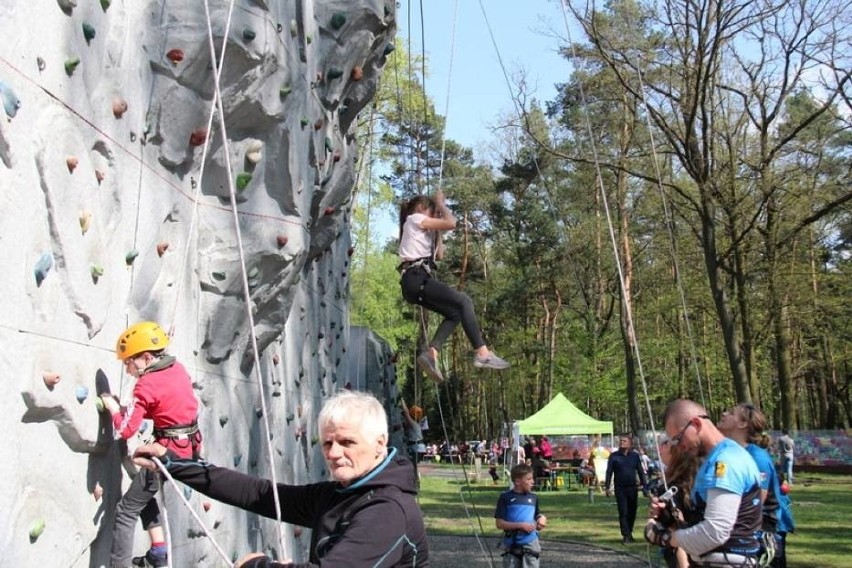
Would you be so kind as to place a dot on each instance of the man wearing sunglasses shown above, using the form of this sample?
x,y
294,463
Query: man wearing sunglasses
x,y
726,492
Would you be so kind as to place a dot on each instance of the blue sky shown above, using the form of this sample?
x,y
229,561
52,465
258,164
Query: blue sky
x,y
525,35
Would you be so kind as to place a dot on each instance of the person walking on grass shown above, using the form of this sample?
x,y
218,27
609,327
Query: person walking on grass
x,y
520,519
421,222
163,393
625,467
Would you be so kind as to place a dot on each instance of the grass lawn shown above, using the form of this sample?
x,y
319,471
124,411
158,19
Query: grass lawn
x,y
822,507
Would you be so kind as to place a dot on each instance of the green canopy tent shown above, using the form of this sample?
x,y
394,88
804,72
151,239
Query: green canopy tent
x,y
560,417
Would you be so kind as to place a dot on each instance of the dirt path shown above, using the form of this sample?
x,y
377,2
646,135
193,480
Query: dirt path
x,y
465,552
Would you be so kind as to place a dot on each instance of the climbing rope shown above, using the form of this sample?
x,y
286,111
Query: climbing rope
x,y
243,271
204,529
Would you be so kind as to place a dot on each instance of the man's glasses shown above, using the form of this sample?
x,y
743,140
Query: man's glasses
x,y
678,438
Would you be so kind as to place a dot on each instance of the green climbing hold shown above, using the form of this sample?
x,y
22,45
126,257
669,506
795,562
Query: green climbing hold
x,y
88,31
105,4
334,73
337,20
309,39
284,91
218,275
253,272
294,28
71,64
329,147
223,419
99,404
36,528
249,34
243,180
97,271
130,257
304,122
389,48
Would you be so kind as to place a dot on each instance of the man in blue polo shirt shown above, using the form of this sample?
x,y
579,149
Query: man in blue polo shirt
x,y
726,492
517,515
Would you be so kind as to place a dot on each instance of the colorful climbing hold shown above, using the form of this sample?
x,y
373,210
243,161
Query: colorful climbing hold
x,y
187,492
85,221
243,179
281,240
206,506
198,137
162,248
294,28
328,211
218,275
223,419
304,122
50,379
99,404
40,63
276,359
105,4
130,257
237,459
96,271
119,107
297,531
258,412
88,32
389,48
81,393
319,124
175,55
67,5
42,267
71,162
98,491
249,34
36,529
11,102
284,91
337,20
357,73
334,73
328,144
349,252
71,64
309,39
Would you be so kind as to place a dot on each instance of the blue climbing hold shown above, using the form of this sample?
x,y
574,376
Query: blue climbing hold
x,y
82,393
11,102
187,492
237,459
42,267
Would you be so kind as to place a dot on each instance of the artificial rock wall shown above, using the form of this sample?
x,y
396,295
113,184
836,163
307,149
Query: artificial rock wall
x,y
115,181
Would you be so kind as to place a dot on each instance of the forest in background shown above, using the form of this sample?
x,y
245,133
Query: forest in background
x,y
677,220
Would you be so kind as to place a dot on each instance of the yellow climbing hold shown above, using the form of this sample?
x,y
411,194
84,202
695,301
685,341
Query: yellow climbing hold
x,y
85,221
36,529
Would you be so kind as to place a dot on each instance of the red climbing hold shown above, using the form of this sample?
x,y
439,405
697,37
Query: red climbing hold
x,y
100,176
318,124
207,505
198,137
162,248
350,251
50,379
175,55
71,162
357,73
276,359
282,240
119,107
328,211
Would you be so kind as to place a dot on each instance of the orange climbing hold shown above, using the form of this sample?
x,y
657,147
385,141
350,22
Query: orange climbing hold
x,y
50,379
357,73
119,107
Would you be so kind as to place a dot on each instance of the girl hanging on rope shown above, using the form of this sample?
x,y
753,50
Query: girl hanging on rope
x,y
421,221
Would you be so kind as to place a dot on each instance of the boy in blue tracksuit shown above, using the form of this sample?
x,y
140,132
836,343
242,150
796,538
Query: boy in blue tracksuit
x,y
519,518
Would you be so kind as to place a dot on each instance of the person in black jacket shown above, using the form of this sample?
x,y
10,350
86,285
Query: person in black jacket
x,y
367,516
625,465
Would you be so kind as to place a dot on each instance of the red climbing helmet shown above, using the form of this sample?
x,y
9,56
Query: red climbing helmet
x,y
139,338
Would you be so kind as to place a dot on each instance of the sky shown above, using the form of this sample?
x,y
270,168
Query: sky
x,y
525,33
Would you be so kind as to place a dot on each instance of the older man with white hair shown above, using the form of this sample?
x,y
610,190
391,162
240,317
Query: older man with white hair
x,y
367,516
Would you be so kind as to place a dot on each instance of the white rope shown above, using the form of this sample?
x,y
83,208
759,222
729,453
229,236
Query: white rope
x,y
447,102
244,277
164,515
189,508
628,310
672,241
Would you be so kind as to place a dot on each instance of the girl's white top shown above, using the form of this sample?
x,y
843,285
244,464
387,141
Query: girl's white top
x,y
416,242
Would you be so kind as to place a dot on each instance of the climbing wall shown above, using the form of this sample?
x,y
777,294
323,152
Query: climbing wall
x,y
116,181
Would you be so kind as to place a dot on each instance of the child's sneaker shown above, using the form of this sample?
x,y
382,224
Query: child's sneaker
x,y
152,559
492,361
428,365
